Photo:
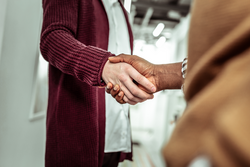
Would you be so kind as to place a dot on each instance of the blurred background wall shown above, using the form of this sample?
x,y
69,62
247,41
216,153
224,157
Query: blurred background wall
x,y
153,121
22,140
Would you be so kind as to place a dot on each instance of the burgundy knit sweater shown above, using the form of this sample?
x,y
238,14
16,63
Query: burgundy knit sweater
x,y
74,40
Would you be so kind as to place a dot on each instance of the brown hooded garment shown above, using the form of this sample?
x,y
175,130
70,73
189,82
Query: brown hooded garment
x,y
216,122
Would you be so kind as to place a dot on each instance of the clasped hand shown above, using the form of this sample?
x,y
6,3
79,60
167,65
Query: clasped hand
x,y
119,73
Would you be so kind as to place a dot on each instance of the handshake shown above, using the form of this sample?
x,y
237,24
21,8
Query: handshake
x,y
131,79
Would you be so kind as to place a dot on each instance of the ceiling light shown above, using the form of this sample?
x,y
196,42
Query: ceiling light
x,y
157,31
174,15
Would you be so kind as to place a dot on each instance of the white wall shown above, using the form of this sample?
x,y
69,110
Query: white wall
x,y
3,6
22,142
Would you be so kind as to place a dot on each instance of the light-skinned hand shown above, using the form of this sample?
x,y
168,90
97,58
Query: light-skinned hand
x,y
123,74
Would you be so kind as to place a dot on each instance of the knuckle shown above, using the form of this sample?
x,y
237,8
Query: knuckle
x,y
130,97
125,99
122,78
147,96
129,102
134,91
151,96
141,100
133,103
139,77
126,67
134,99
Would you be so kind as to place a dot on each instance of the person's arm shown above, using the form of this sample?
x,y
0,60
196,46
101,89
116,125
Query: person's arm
x,y
62,50
164,76
60,47
168,76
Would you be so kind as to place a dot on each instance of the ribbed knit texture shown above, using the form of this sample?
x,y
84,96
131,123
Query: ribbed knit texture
x,y
74,41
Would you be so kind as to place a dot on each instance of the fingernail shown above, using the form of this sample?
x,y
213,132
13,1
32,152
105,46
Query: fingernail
x,y
120,94
115,88
153,89
108,86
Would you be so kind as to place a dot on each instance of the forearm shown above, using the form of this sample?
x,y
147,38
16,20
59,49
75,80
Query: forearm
x,y
71,57
61,48
169,76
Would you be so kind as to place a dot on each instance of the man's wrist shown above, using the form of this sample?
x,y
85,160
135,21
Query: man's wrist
x,y
168,76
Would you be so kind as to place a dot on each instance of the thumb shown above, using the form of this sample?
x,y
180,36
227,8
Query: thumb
x,y
116,59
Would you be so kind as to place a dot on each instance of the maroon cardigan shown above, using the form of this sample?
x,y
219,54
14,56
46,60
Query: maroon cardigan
x,y
74,40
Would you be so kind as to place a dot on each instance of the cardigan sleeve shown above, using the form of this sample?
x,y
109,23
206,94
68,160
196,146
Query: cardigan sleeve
x,y
60,47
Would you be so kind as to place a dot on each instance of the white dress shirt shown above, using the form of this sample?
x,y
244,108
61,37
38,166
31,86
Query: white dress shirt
x,y
118,132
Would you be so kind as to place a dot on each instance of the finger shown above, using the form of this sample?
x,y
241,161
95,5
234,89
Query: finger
x,y
129,95
119,97
123,58
134,90
129,101
140,79
109,87
117,59
114,92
